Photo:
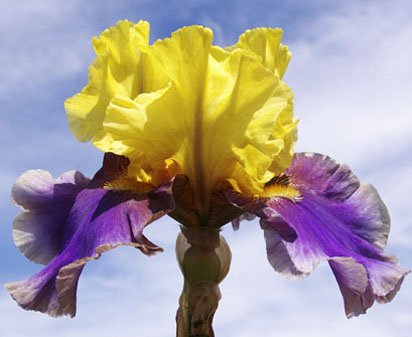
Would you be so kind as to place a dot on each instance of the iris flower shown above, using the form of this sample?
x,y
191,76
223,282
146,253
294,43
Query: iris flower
x,y
204,134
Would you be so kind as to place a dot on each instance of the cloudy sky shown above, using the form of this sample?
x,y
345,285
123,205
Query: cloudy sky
x,y
351,74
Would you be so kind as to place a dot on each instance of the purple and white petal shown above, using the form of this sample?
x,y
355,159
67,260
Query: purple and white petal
x,y
99,220
69,221
336,220
46,203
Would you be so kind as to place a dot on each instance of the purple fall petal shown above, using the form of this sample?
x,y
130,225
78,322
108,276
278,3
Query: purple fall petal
x,y
96,221
38,230
337,220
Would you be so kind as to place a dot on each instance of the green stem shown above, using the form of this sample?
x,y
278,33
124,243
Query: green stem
x,y
204,259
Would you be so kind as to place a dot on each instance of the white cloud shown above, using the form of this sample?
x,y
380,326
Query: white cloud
x,y
351,76
40,43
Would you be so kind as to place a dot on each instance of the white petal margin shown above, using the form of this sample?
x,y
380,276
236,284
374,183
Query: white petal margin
x,y
46,203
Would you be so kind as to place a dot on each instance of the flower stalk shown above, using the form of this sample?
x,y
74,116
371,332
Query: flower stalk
x,y
204,259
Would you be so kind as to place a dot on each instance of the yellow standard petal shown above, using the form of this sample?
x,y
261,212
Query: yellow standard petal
x,y
189,107
116,71
265,42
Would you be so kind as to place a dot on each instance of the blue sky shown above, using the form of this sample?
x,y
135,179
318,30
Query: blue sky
x,y
351,75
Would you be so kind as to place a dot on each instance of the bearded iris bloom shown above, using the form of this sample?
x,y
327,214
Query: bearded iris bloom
x,y
204,134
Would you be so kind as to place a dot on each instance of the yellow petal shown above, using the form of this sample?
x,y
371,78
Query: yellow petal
x,y
116,71
241,111
265,42
210,113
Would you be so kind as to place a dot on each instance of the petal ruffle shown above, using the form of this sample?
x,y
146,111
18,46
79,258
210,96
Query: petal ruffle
x,y
37,231
265,42
338,220
99,220
117,70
